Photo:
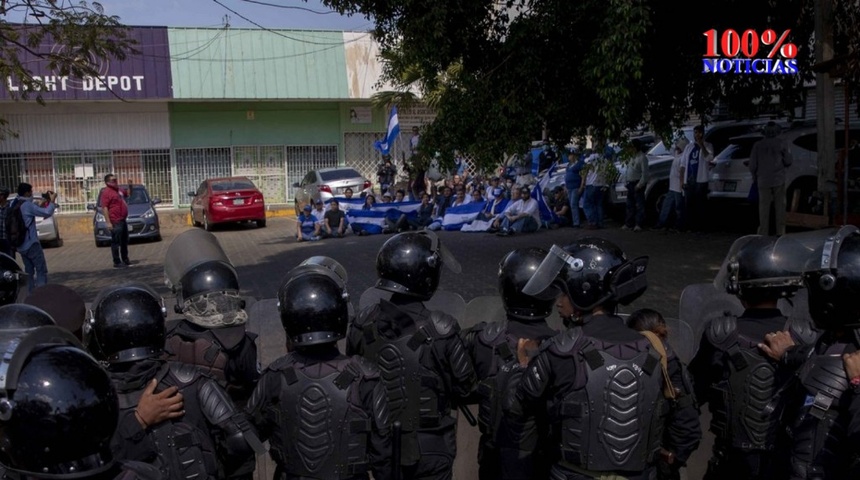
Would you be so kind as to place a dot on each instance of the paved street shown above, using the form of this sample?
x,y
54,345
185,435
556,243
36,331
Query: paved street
x,y
263,256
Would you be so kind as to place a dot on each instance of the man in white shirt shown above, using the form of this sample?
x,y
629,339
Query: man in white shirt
x,y
674,201
522,217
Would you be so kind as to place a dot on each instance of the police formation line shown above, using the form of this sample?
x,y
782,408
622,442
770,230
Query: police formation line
x,y
605,398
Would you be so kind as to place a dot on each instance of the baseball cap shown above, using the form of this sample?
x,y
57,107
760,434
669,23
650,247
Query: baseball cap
x,y
308,208
319,202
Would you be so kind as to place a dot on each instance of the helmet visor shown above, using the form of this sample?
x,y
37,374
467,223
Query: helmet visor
x,y
548,272
810,251
729,268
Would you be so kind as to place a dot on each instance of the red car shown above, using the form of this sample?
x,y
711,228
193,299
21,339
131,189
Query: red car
x,y
227,200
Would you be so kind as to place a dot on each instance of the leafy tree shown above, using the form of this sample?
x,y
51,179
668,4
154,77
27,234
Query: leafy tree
x,y
85,32
571,68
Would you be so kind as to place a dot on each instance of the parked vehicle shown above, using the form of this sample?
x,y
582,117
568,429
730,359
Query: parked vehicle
x,y
326,183
47,228
142,218
660,159
731,179
227,200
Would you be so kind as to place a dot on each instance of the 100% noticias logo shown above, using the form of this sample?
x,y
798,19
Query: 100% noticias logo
x,y
732,52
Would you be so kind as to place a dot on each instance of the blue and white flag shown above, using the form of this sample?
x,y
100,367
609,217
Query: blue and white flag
x,y
456,217
370,221
384,147
546,213
373,221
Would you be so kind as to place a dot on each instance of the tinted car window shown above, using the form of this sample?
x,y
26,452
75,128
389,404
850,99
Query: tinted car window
x,y
232,185
807,142
340,174
138,196
720,138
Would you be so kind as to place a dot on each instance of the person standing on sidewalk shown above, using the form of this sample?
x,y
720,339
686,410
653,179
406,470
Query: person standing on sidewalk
x,y
5,246
674,201
768,160
31,250
636,179
115,210
573,184
698,158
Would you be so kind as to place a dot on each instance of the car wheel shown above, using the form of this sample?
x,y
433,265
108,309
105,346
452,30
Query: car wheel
x,y
194,221
206,225
261,223
654,203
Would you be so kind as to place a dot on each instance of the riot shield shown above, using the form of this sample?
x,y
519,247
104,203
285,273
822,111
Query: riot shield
x,y
191,249
701,302
443,301
487,308
682,339
13,281
264,320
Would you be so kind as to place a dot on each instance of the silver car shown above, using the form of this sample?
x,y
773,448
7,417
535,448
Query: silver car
x,y
325,183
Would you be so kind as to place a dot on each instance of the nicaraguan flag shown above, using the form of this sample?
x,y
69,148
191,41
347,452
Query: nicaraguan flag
x,y
546,213
368,220
456,217
384,147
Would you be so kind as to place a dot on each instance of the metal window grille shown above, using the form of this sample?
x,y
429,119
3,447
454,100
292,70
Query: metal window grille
x,y
193,165
156,175
360,154
263,165
10,170
302,159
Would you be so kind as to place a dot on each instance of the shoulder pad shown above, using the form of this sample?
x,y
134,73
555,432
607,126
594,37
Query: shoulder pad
x,y
367,368
492,331
802,330
365,316
721,329
445,324
185,373
282,363
564,341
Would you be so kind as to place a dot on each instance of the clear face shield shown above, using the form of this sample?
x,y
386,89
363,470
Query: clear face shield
x,y
541,285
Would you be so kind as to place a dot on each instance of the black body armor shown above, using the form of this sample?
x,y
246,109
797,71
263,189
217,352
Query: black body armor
x,y
613,418
744,412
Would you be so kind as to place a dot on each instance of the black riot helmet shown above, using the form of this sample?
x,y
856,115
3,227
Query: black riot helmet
x,y
314,306
411,264
12,280
58,407
591,272
753,273
126,324
833,280
19,315
515,270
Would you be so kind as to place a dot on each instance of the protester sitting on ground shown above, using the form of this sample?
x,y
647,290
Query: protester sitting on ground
x,y
319,210
309,226
334,221
560,207
461,198
476,196
522,217
423,217
494,189
400,195
442,201
497,221
386,198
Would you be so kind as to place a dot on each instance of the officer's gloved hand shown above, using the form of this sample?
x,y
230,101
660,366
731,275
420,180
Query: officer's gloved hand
x,y
668,468
776,344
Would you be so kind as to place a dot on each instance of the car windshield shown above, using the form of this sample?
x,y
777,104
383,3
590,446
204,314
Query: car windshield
x,y
138,196
339,174
228,185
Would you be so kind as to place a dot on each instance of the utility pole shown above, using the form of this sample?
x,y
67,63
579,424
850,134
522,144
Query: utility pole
x,y
824,100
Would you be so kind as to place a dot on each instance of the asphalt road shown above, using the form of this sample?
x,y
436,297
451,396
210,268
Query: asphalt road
x,y
263,256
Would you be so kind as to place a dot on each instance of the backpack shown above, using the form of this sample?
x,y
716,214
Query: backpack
x,y
16,229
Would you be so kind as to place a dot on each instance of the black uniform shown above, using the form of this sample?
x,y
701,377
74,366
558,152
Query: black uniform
x,y
740,383
425,369
325,416
511,447
228,353
602,386
210,441
826,432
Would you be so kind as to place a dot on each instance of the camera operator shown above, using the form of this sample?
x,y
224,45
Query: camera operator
x,y
31,250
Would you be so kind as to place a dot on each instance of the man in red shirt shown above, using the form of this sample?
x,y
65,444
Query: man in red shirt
x,y
115,211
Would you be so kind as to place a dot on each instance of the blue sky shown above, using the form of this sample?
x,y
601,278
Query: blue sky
x,y
208,13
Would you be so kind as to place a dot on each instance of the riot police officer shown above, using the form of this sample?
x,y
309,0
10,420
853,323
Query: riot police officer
x,y
600,382
735,377
510,447
424,365
315,392
12,280
207,436
826,430
212,335
58,410
18,315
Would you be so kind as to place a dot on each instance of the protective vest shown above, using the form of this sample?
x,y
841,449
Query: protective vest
x,y
744,411
819,431
210,350
416,394
184,445
494,389
325,430
613,418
